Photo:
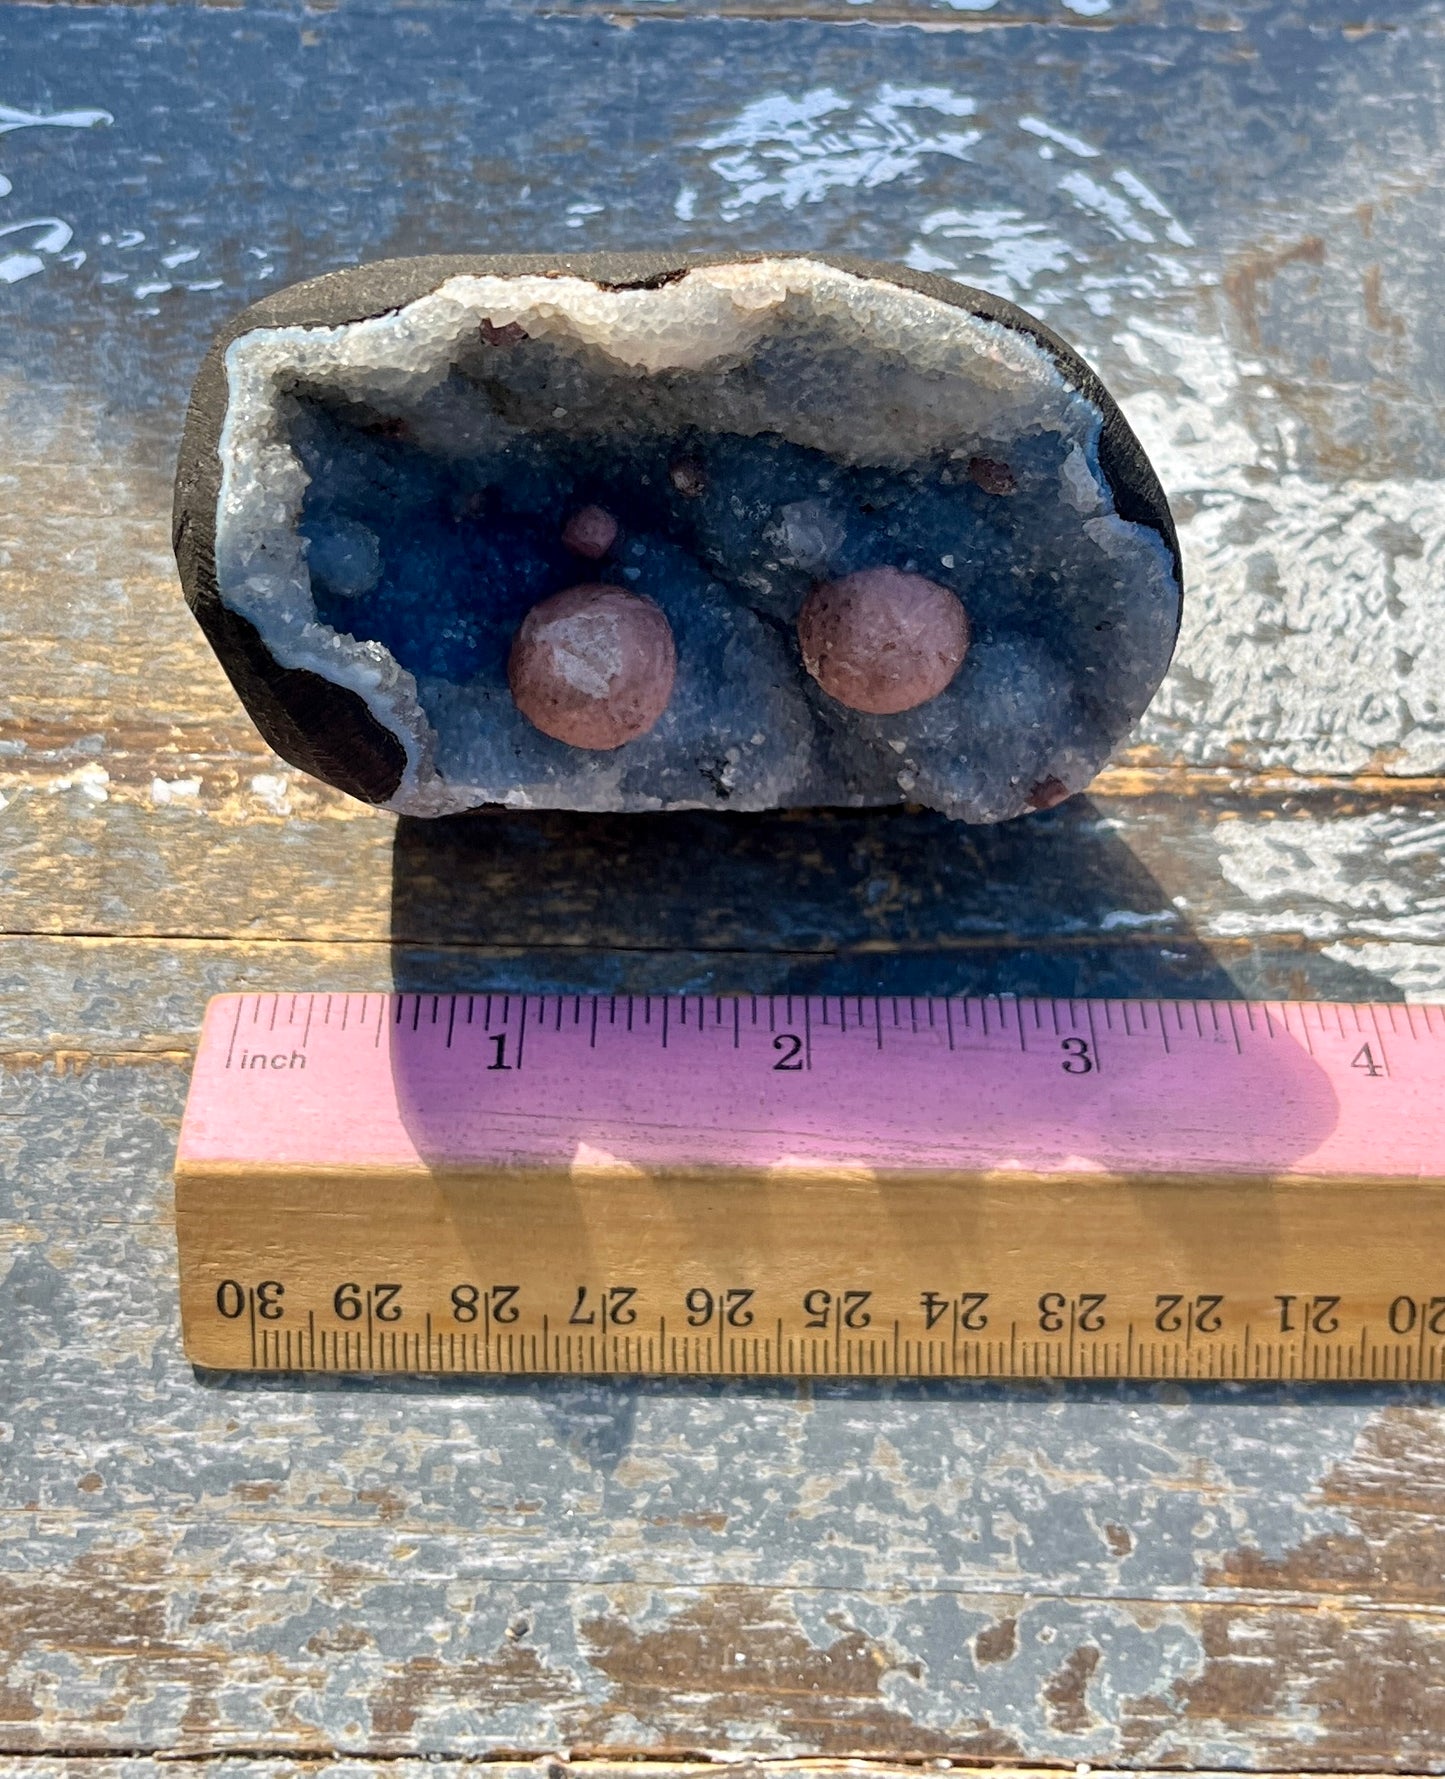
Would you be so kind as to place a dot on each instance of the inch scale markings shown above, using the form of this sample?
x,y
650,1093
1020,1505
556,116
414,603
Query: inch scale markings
x,y
815,1186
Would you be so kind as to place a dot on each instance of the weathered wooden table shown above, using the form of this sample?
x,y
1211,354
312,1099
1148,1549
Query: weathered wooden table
x,y
1235,210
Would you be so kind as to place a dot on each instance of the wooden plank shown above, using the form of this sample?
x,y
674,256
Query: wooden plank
x,y
73,1004
1323,885
1175,1575
1144,1573
553,1767
1291,423
975,15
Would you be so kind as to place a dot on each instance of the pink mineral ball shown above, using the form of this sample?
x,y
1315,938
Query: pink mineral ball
x,y
882,640
590,532
593,666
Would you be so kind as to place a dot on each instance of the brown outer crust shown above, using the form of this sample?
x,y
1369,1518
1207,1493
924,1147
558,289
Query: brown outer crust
x,y
327,730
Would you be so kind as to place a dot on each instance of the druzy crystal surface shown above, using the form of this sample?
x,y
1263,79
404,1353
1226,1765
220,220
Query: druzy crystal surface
x,y
395,494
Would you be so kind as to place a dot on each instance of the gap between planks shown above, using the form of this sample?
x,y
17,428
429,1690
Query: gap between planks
x,y
941,946
799,12
243,1763
130,774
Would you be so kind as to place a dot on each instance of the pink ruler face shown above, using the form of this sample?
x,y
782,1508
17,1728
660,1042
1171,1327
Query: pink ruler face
x,y
1167,1088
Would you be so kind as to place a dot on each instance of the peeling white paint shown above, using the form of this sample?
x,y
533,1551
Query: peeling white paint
x,y
274,790
1311,634
174,790
1332,878
1418,971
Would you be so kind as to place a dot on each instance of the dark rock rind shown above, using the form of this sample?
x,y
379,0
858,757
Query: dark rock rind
x,y
323,728
327,730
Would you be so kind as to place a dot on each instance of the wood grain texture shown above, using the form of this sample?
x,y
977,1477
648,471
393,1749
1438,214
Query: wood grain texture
x,y
549,1767
1268,322
201,1563
1225,867
1234,214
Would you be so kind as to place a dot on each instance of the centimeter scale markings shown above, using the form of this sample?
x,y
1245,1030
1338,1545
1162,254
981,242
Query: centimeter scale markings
x,y
819,1186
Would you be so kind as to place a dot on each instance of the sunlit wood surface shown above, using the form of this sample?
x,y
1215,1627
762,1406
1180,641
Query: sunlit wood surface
x,y
1233,209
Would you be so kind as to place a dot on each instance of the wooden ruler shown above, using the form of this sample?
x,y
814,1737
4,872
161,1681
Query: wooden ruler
x,y
815,1187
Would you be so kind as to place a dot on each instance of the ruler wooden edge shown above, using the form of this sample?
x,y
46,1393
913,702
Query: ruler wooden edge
x,y
598,1264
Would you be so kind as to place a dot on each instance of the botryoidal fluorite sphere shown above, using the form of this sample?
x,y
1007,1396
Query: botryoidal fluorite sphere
x,y
634,533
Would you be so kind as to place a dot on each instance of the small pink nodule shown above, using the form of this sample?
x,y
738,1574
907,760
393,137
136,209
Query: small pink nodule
x,y
1048,793
992,476
593,666
590,532
883,641
688,477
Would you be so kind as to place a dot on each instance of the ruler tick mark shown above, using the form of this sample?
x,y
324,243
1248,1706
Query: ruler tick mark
x,y
1379,1037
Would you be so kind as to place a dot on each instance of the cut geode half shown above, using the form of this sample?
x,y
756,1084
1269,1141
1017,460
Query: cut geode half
x,y
379,467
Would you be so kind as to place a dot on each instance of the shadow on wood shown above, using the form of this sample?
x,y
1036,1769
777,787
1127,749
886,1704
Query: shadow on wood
x,y
888,901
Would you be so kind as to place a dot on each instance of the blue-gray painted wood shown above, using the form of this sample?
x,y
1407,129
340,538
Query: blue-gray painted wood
x,y
1235,215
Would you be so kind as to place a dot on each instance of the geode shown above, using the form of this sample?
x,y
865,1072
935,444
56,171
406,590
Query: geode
x,y
385,470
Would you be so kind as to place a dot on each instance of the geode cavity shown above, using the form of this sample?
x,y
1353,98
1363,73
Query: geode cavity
x,y
386,470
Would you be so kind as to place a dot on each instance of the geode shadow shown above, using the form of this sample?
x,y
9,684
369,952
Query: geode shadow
x,y
819,901
829,903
